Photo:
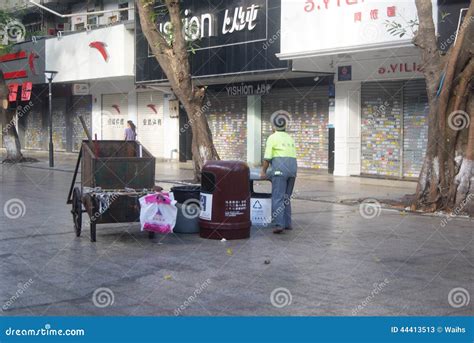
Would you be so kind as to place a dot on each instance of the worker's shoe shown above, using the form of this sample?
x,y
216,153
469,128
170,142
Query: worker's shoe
x,y
288,228
277,230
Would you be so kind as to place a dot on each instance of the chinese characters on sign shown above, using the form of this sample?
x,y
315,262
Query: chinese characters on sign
x,y
151,122
240,20
205,25
374,14
359,16
234,208
116,122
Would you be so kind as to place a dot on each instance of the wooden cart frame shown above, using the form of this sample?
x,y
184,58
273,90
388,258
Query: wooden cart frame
x,y
122,168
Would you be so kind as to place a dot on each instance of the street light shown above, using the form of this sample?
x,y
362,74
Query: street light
x,y
50,76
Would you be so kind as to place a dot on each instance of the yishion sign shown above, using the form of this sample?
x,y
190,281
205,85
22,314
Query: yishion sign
x,y
207,25
227,37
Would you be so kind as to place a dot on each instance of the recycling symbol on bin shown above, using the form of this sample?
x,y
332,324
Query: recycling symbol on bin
x,y
257,205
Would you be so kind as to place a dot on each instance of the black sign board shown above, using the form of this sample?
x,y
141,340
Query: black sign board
x,y
450,17
227,37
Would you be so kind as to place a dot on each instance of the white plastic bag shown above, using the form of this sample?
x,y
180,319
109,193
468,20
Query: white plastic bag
x,y
158,213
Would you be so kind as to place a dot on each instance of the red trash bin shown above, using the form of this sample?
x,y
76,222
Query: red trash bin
x,y
225,200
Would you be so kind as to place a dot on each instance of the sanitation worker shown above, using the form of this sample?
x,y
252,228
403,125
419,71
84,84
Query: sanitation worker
x,y
280,153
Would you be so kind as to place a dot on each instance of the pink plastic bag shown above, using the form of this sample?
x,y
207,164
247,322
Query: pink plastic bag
x,y
158,213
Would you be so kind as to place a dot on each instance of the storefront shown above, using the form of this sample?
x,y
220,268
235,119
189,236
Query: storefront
x,y
229,107
114,116
227,118
240,68
101,89
150,122
23,69
309,110
394,131
381,107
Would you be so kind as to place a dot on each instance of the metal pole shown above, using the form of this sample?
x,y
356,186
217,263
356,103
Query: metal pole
x,y
51,153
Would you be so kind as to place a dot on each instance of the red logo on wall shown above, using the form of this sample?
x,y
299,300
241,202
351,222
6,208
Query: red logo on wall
x,y
153,108
101,46
117,108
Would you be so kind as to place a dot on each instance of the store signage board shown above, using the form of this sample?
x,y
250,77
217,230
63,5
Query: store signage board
x,y
26,62
246,89
331,26
80,89
215,28
401,68
226,38
26,89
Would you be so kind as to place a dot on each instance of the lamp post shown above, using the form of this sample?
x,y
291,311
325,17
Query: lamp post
x,y
50,76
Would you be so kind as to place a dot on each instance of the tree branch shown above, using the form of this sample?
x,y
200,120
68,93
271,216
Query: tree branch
x,y
180,48
146,13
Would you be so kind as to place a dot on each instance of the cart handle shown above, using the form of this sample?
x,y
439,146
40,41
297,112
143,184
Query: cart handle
x,y
69,196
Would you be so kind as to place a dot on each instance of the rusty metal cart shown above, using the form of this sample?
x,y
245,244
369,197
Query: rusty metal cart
x,y
114,175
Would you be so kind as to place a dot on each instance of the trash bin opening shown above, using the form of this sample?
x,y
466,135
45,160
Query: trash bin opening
x,y
208,182
261,187
184,193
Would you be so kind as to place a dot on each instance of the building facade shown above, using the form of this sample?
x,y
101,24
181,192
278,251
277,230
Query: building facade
x,y
91,47
381,106
355,90
246,82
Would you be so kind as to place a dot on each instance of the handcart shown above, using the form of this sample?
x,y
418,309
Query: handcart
x,y
114,175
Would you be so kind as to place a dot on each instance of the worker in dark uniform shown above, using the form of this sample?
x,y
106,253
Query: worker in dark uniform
x,y
280,153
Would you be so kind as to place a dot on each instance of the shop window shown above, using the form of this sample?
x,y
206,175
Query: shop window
x,y
80,27
123,14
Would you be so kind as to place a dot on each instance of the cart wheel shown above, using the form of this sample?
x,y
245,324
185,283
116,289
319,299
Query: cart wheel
x,y
77,210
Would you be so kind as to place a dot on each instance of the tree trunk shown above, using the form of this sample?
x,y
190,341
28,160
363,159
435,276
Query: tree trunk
x,y
173,58
11,141
446,180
